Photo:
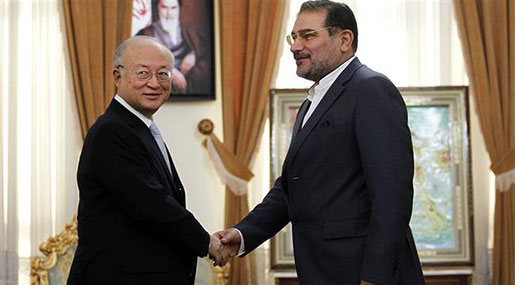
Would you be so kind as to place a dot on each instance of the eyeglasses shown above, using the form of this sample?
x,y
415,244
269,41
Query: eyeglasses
x,y
144,74
303,35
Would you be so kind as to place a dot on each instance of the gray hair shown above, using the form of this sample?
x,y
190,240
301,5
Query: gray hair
x,y
120,50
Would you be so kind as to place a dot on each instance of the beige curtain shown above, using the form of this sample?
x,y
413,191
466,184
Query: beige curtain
x,y
487,31
250,34
93,30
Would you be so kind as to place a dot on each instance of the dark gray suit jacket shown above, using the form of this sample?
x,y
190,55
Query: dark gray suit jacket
x,y
133,225
346,186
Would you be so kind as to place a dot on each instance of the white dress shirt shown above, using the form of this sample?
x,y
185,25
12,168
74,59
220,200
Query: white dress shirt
x,y
131,109
317,92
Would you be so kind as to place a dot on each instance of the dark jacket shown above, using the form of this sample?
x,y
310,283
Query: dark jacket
x,y
346,187
132,222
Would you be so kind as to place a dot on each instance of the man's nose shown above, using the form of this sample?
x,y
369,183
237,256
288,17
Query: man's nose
x,y
153,82
296,46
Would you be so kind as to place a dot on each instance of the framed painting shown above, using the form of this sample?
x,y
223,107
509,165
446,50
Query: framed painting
x,y
442,206
187,29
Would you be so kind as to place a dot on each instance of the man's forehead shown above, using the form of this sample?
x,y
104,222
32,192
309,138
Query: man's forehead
x,y
144,46
134,52
147,65
310,20
147,54
144,62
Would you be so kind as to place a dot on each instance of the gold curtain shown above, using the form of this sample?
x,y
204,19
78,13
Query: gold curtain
x,y
487,31
250,33
93,30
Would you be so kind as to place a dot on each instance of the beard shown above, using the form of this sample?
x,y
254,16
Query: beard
x,y
315,71
170,25
319,62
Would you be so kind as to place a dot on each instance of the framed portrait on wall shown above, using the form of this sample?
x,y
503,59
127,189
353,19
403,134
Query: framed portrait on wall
x,y
442,206
186,27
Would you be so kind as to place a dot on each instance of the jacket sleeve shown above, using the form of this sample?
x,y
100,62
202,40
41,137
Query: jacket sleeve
x,y
266,219
119,164
385,148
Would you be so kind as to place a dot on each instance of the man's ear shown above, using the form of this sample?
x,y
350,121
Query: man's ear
x,y
117,75
346,38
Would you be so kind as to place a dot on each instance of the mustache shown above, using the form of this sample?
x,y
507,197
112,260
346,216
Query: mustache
x,y
299,55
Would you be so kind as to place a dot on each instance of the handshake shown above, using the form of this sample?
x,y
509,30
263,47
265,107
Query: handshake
x,y
224,245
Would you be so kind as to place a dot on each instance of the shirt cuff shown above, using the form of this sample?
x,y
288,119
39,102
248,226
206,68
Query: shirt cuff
x,y
241,251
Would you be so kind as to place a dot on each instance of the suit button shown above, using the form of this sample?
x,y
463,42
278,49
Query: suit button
x,y
180,188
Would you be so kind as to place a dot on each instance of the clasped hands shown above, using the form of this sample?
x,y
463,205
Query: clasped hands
x,y
224,245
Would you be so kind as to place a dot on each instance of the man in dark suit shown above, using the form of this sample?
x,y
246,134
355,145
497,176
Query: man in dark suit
x,y
133,225
346,183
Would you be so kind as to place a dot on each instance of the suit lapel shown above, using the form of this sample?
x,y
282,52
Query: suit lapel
x,y
151,142
332,94
174,178
148,140
300,115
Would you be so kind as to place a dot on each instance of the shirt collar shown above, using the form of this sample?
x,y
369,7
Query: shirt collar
x,y
319,88
131,109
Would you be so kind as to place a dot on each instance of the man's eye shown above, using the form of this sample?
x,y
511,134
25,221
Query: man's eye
x,y
142,73
307,35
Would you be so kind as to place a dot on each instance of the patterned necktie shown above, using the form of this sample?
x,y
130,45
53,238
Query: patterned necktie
x,y
300,118
159,140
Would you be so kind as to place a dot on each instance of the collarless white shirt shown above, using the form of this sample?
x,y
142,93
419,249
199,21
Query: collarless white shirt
x,y
131,109
317,92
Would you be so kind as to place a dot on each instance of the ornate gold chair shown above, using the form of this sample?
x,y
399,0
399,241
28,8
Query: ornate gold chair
x,y
207,274
59,250
53,268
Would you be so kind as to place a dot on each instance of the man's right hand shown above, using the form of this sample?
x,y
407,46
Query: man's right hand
x,y
231,239
218,252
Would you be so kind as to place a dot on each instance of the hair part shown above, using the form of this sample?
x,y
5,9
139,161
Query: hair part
x,y
339,17
120,50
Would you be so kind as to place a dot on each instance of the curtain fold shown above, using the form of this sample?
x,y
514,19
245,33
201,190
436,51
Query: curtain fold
x,y
233,173
93,30
39,133
487,31
250,34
